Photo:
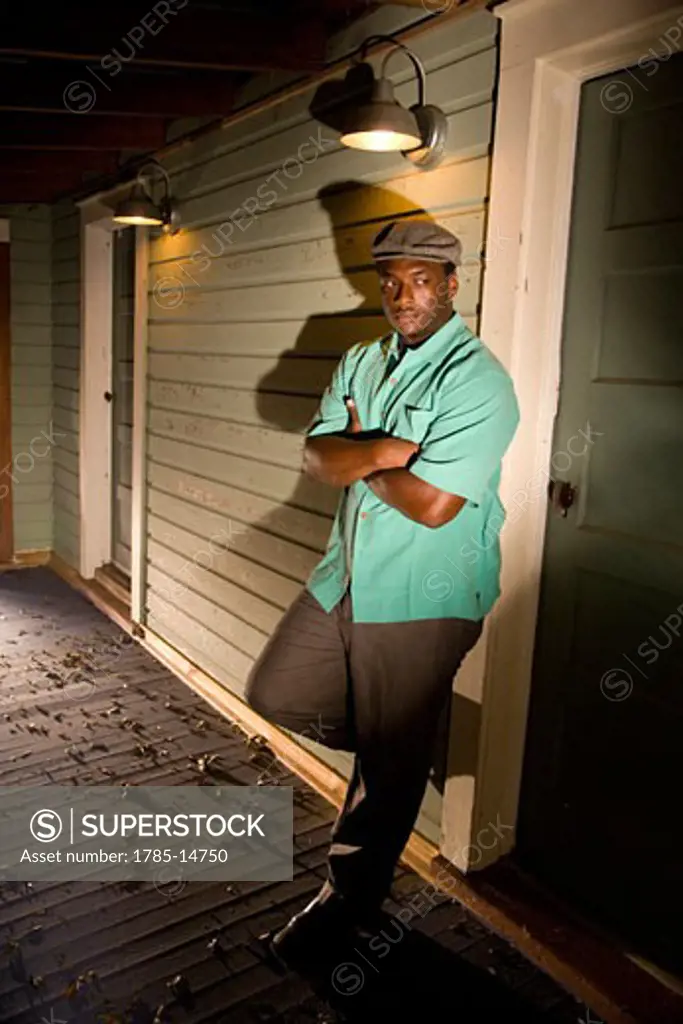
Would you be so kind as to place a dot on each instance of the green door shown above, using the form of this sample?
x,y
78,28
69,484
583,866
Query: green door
x,y
599,814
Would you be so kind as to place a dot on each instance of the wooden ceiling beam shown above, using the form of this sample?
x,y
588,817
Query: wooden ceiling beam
x,y
345,9
85,132
15,188
45,162
28,86
352,8
25,196
114,36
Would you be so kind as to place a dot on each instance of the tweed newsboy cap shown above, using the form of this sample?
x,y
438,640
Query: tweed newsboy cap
x,y
418,240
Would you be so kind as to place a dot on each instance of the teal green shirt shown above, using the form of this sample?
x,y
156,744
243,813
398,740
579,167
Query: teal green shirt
x,y
451,396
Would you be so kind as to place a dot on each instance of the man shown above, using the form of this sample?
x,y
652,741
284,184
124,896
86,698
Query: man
x,y
413,427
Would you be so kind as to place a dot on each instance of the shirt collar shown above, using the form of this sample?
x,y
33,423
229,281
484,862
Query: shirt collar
x,y
433,347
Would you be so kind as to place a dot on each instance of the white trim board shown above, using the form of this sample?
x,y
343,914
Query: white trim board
x,y
548,49
97,228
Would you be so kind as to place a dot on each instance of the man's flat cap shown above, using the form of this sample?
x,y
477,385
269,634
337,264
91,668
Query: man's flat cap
x,y
417,240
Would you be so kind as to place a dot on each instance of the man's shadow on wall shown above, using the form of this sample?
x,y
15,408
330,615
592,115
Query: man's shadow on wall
x,y
356,212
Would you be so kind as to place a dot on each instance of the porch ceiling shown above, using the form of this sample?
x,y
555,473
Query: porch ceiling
x,y
85,89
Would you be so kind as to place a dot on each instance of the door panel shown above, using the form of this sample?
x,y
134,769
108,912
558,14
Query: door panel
x,y
122,402
598,814
646,182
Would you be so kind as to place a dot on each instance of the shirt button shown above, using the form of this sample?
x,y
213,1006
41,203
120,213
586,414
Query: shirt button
x,y
392,380
364,515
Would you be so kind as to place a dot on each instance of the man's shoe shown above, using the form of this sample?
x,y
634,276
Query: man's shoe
x,y
325,923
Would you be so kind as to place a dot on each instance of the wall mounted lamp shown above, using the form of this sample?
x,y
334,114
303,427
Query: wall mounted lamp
x,y
141,209
382,125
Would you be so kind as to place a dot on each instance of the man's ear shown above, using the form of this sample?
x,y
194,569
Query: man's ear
x,y
453,285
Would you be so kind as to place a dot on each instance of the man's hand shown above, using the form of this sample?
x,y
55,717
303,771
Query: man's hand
x,y
340,459
395,452
354,426
392,452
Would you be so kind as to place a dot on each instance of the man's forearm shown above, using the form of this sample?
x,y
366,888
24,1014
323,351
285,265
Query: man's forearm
x,y
414,497
339,461
406,492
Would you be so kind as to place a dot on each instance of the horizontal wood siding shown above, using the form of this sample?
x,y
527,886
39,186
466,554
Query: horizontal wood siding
x,y
66,284
33,432
250,310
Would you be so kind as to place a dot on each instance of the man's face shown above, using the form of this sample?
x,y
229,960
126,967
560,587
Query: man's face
x,y
417,296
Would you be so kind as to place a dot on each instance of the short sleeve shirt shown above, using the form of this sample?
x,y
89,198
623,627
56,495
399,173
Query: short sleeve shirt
x,y
450,395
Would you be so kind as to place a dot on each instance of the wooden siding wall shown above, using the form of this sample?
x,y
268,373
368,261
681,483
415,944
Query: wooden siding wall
x,y
30,325
244,335
66,274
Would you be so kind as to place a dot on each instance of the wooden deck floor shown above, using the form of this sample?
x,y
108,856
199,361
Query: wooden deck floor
x,y
108,953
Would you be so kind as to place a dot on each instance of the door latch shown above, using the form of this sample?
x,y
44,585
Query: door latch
x,y
561,495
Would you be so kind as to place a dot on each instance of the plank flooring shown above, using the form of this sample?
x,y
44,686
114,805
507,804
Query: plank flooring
x,y
80,704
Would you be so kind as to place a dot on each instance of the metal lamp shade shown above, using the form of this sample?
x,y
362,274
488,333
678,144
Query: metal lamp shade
x,y
137,210
382,125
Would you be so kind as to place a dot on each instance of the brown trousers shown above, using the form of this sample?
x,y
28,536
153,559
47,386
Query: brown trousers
x,y
378,690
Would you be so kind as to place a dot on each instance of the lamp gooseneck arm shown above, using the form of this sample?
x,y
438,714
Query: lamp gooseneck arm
x,y
415,61
419,70
157,167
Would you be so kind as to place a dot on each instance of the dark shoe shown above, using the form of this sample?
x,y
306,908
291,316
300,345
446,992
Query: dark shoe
x,y
316,931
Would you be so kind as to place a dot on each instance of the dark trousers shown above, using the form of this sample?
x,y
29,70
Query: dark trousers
x,y
379,691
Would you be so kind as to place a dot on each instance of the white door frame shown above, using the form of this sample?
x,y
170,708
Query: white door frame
x,y
548,49
97,276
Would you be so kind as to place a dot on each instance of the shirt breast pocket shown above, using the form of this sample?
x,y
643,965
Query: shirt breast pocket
x,y
413,422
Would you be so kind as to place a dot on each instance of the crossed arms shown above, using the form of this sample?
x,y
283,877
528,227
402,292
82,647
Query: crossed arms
x,y
429,483
341,460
